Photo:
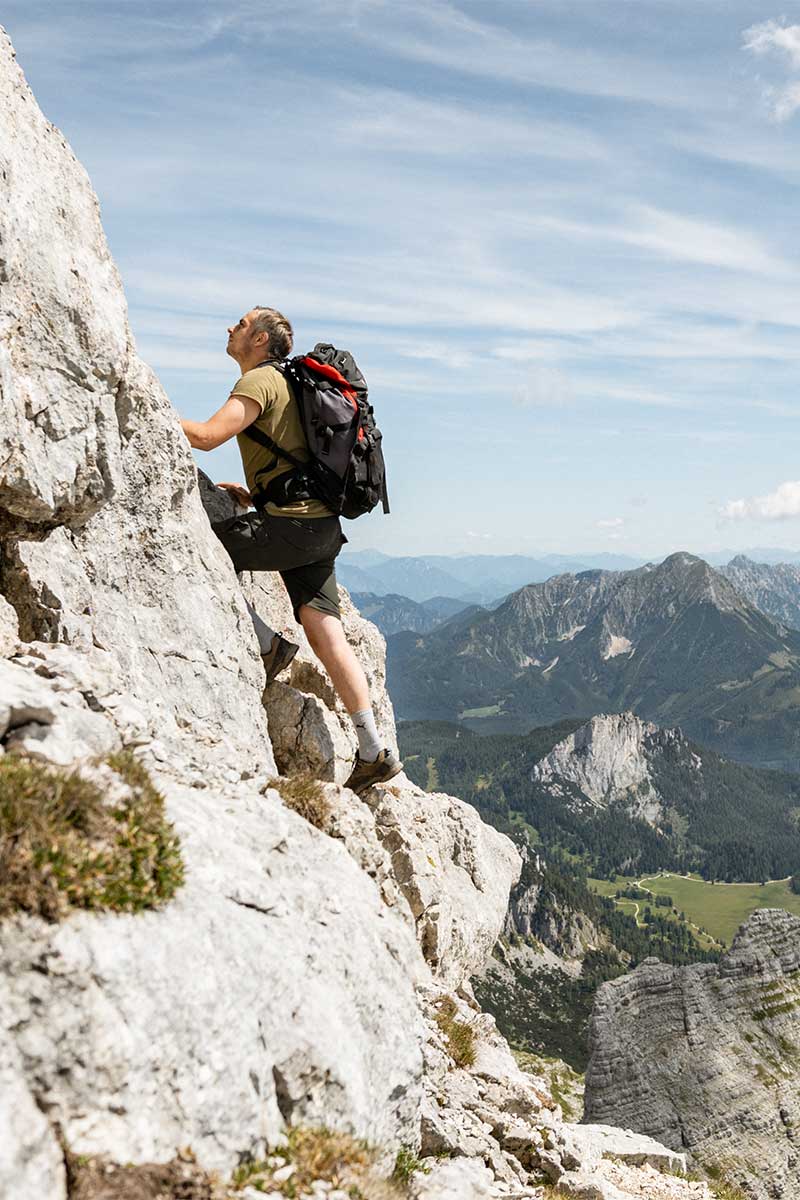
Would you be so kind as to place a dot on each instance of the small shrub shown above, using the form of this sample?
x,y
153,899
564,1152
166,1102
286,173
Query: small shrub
x,y
65,844
305,795
459,1034
406,1164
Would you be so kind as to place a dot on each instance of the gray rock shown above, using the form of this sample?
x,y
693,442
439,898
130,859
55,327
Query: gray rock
x,y
704,1058
609,761
454,1179
44,723
585,1145
454,871
31,1160
9,629
105,542
200,1023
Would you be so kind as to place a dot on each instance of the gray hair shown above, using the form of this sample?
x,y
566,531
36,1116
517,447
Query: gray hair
x,y
277,328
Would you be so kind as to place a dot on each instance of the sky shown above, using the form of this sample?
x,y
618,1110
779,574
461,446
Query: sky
x,y
559,236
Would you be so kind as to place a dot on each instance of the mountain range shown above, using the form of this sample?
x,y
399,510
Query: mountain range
x,y
489,578
473,579
772,587
393,614
675,642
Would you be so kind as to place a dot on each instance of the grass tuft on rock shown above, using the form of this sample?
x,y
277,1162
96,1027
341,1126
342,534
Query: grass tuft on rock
x,y
459,1034
313,1154
406,1164
72,840
305,795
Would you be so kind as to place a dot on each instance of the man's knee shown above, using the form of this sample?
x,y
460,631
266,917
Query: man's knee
x,y
322,628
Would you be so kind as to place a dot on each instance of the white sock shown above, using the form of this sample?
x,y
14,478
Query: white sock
x,y
263,631
369,743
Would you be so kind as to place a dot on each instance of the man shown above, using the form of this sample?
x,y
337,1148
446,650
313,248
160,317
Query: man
x,y
291,531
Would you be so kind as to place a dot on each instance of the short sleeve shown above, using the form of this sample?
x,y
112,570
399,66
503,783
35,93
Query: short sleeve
x,y
258,385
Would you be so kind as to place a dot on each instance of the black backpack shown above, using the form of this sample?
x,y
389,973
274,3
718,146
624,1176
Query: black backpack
x,y
346,470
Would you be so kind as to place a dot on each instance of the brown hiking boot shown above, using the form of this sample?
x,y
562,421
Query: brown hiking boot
x,y
278,657
364,774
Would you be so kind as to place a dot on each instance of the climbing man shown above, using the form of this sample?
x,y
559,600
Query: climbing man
x,y
290,531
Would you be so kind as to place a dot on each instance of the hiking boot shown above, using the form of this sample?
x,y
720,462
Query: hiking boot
x,y
364,774
278,657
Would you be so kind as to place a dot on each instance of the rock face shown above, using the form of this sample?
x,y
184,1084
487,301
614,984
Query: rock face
x,y
704,1058
209,994
280,983
300,974
105,542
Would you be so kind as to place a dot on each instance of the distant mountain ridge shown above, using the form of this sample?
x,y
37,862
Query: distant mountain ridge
x,y
772,587
487,578
392,613
474,579
676,643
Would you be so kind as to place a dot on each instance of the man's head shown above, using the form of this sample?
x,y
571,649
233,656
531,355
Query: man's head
x,y
260,334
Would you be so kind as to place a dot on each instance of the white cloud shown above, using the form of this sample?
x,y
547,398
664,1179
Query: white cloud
x,y
779,505
610,523
482,536
674,236
771,37
389,120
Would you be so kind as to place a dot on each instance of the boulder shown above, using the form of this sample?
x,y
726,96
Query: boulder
x,y
454,871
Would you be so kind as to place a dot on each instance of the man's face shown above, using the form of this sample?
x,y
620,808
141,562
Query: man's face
x,y
242,338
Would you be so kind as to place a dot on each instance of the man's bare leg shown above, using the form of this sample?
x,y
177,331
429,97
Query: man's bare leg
x,y
374,763
326,635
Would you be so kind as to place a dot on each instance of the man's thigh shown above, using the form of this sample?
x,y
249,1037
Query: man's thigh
x,y
314,586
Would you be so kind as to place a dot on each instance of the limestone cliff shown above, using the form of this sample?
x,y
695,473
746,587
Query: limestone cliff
x,y
304,974
608,761
705,1057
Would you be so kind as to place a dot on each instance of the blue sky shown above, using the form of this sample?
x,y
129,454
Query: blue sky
x,y
560,236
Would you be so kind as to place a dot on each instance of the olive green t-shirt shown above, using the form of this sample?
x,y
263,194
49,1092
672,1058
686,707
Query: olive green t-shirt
x,y
280,420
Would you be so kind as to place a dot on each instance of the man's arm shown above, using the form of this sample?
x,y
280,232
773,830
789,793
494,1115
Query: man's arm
x,y
235,415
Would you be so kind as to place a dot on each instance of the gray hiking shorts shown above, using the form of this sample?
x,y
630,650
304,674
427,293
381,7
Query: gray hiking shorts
x,y
301,549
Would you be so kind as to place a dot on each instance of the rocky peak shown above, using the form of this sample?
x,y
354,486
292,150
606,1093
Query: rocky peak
x,y
609,761
774,588
689,579
742,561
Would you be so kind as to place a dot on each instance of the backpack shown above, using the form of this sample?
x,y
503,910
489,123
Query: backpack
x,y
346,470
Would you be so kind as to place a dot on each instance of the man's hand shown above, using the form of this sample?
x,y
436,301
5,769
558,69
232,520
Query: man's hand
x,y
240,494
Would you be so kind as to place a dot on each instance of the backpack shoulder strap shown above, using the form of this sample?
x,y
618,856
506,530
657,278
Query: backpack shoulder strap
x,y
263,439
258,435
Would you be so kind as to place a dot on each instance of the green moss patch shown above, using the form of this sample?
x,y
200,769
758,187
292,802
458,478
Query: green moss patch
x,y
69,841
459,1034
